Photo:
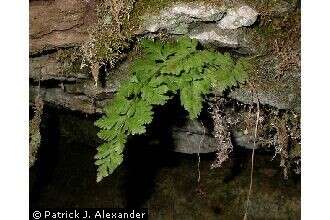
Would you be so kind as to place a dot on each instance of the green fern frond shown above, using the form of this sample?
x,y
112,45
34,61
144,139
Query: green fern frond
x,y
142,116
191,100
164,69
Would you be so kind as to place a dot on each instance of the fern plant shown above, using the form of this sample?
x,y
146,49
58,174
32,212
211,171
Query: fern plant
x,y
164,70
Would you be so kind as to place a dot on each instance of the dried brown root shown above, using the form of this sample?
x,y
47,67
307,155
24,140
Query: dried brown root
x,y
287,145
282,146
222,135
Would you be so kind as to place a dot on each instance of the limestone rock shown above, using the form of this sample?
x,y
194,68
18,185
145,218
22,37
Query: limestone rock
x,y
207,23
210,33
238,17
177,18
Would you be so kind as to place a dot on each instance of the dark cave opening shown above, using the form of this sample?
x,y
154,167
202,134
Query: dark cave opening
x,y
65,175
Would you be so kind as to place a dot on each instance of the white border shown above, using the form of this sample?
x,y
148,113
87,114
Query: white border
x,y
14,109
14,80
316,110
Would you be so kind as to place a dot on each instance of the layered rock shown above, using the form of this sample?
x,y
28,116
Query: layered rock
x,y
58,28
60,23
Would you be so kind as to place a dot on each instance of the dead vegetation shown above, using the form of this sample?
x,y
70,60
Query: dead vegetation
x,y
278,132
287,144
267,128
221,133
34,130
110,38
282,145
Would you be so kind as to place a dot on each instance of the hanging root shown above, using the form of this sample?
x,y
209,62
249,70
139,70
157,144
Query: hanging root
x,y
200,191
282,146
221,134
287,144
198,154
252,162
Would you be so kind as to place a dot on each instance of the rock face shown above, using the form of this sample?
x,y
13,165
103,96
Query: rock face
x,y
48,67
282,94
177,18
238,17
207,23
56,25
193,138
58,29
60,23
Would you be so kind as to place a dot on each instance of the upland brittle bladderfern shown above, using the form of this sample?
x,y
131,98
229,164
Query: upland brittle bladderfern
x,y
164,70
